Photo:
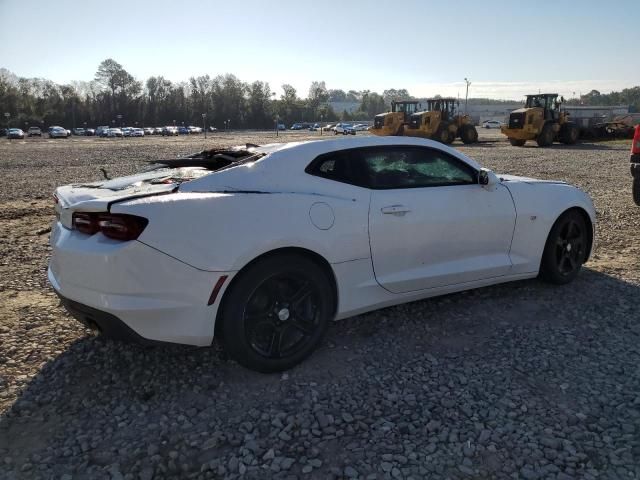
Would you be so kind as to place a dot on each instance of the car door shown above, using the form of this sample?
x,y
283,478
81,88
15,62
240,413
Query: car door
x,y
431,224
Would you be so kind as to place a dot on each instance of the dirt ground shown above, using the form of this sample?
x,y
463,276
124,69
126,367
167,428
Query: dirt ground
x,y
42,349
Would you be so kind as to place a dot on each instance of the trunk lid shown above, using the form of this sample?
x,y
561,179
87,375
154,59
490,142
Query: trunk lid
x,y
98,196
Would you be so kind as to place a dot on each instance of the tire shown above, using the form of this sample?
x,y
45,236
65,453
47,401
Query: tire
x,y
443,135
468,134
565,250
546,136
267,305
635,190
517,142
569,133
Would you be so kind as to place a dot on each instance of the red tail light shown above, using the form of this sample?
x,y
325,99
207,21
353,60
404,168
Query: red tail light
x,y
116,226
635,146
86,222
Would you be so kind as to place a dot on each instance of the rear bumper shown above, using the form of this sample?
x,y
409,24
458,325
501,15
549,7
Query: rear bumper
x,y
114,284
518,133
107,324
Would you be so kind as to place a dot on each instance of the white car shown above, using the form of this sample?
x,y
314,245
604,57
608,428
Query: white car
x,y
360,127
491,124
263,246
136,132
344,129
58,132
114,132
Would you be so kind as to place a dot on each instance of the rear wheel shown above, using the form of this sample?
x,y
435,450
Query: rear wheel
x,y
635,190
546,136
569,133
277,312
565,250
517,142
468,134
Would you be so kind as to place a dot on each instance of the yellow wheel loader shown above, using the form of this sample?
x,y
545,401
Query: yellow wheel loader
x,y
441,122
541,120
393,122
438,122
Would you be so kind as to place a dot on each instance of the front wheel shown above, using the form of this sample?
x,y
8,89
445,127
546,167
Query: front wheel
x,y
468,134
565,250
276,313
546,136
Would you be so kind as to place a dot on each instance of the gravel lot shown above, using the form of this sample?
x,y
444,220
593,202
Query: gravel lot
x,y
523,380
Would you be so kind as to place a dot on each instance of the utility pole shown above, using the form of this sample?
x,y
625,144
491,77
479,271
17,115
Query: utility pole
x,y
466,95
204,124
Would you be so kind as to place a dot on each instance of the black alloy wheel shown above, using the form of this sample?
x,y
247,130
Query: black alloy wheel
x,y
276,312
566,249
281,315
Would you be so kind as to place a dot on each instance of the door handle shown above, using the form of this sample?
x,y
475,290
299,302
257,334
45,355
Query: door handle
x,y
399,210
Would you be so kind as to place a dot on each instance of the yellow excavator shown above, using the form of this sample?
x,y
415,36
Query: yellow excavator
x,y
438,122
541,120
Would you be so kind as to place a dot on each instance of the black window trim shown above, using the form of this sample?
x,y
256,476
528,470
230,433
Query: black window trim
x,y
311,169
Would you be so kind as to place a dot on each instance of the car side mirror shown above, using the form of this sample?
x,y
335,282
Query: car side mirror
x,y
488,179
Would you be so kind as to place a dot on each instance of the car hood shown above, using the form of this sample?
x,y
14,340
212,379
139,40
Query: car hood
x,y
515,178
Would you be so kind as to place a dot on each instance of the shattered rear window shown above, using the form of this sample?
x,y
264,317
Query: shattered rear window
x,y
212,160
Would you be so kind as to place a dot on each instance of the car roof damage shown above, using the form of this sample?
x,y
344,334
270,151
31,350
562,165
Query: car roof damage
x,y
214,159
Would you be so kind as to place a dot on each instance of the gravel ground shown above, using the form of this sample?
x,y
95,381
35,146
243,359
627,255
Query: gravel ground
x,y
523,380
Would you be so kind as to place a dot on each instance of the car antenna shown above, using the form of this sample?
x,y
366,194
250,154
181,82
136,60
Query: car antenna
x,y
105,174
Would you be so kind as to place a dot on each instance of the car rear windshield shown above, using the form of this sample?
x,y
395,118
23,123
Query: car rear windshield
x,y
214,159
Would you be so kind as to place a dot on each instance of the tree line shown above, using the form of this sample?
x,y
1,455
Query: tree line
x,y
115,96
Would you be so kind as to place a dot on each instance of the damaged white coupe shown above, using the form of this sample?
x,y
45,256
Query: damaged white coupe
x,y
262,246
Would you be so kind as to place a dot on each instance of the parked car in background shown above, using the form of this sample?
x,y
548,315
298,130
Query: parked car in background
x,y
282,126
361,127
213,129
126,131
58,132
34,132
89,132
193,129
79,132
170,131
372,221
157,131
297,126
344,129
102,130
329,127
183,130
148,131
137,132
15,133
114,132
314,127
491,124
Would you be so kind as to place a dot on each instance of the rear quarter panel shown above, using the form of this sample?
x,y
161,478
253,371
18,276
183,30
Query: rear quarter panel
x,y
225,231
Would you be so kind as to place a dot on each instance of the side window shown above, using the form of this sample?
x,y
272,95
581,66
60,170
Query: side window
x,y
341,166
414,167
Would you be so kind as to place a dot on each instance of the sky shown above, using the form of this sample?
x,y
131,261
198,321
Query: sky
x,y
505,48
